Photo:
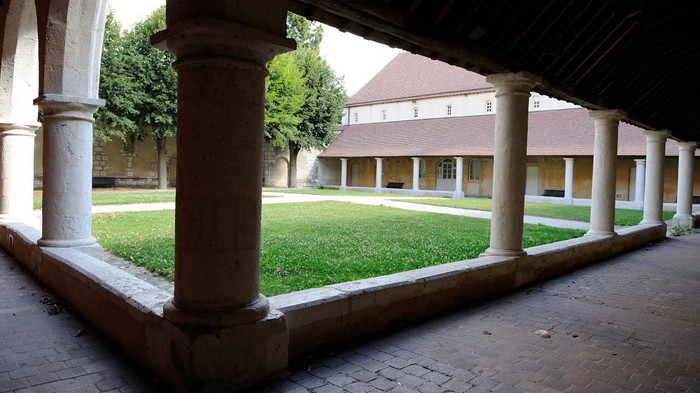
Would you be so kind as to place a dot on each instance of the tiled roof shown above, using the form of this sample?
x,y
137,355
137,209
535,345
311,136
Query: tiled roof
x,y
568,132
412,76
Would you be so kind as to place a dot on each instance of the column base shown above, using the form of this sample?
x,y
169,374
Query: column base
x,y
681,220
497,252
414,192
638,205
251,312
68,243
567,201
378,190
458,194
600,233
228,358
342,188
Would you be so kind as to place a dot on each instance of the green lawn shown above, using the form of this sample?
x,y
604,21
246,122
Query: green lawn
x,y
321,191
579,213
306,245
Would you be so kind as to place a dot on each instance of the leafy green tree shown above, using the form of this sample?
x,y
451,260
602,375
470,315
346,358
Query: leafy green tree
x,y
321,110
284,96
139,86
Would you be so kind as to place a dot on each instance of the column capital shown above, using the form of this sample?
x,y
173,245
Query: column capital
x,y
415,158
569,159
218,39
687,146
640,161
521,82
343,159
459,158
607,114
68,107
18,129
657,136
378,158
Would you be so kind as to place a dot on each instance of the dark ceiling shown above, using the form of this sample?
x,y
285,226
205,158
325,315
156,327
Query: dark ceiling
x,y
642,57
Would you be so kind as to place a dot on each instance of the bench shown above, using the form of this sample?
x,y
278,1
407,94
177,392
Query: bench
x,y
103,181
554,193
393,184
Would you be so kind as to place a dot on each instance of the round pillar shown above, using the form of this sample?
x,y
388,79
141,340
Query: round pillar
x,y
686,176
569,180
378,176
16,170
416,175
654,179
509,163
458,181
343,173
604,167
67,165
640,173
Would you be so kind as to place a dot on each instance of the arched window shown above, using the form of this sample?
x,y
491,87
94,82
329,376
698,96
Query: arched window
x,y
449,110
489,106
415,112
474,169
447,169
384,115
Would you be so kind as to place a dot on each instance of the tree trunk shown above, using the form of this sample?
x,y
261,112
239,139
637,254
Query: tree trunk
x,y
293,152
162,164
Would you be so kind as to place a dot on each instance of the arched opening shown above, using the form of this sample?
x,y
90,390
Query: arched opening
x,y
446,175
280,173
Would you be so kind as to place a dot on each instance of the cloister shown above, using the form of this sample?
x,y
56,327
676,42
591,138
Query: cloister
x,y
624,61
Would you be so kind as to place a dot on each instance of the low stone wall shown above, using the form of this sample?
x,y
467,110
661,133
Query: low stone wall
x,y
349,310
130,310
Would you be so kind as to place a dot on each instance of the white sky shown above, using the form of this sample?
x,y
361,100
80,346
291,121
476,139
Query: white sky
x,y
355,58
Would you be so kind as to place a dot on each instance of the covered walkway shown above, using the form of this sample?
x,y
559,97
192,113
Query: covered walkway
x,y
631,323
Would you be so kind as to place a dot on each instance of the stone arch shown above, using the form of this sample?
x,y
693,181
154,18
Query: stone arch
x,y
19,70
281,172
70,46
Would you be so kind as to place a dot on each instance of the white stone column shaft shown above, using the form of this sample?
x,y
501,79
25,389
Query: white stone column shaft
x,y
459,193
604,171
654,178
509,163
378,176
686,178
67,167
569,180
16,170
416,175
343,173
640,174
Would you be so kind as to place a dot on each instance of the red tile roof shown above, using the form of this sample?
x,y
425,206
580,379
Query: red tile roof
x,y
410,76
568,132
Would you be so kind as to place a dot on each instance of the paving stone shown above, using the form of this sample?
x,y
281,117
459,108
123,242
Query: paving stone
x,y
382,383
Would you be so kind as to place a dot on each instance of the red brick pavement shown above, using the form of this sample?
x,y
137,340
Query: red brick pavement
x,y
631,324
47,347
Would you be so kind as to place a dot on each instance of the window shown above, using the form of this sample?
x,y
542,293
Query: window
x,y
488,106
447,169
421,169
415,112
474,169
383,115
356,118
536,103
449,110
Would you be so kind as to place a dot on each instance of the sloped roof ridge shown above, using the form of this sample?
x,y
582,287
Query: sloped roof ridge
x,y
412,76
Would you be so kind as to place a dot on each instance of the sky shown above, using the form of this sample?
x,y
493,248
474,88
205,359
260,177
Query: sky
x,y
352,57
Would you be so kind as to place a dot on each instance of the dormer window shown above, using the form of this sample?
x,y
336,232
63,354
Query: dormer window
x,y
449,110
415,112
384,115
489,106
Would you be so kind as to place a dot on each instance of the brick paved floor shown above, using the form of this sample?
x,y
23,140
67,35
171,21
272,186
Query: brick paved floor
x,y
627,325
631,324
46,347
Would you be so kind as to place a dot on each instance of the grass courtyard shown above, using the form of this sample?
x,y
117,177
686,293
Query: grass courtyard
x,y
306,245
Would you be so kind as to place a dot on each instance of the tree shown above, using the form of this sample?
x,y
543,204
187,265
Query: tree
x,y
140,87
323,92
284,96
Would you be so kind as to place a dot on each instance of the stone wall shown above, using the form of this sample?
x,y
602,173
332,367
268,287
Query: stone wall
x,y
276,164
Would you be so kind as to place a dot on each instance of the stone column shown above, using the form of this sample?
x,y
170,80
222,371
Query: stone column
x,y
569,180
378,176
686,178
654,182
604,167
458,182
639,183
416,175
227,335
16,170
343,173
67,162
509,163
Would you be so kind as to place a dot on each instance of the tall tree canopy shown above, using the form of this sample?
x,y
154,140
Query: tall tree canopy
x,y
316,119
140,87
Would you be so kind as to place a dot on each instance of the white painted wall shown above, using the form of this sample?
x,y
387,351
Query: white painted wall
x,y
436,107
